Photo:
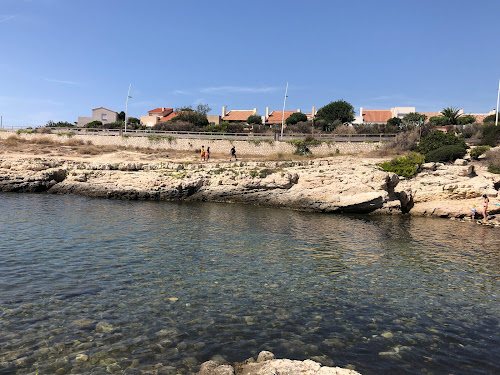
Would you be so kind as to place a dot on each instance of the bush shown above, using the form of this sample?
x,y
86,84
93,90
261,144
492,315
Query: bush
x,y
405,141
193,117
176,126
236,127
471,130
493,159
476,152
490,135
439,121
254,119
93,124
344,129
59,124
446,153
491,118
406,166
437,139
260,128
304,127
295,118
466,119
217,128
395,122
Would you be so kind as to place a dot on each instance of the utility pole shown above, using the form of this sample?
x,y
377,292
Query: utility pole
x,y
283,117
498,98
126,106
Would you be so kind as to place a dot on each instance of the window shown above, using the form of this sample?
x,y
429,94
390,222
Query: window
x,y
104,117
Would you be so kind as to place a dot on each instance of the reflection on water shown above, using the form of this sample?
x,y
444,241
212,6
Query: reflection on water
x,y
99,286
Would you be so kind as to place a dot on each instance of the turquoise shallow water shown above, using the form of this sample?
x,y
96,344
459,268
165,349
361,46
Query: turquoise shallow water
x,y
97,286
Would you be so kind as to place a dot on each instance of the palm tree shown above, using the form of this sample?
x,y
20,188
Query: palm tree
x,y
452,114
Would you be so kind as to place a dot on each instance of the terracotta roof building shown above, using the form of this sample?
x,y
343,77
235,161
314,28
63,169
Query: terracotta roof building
x,y
277,116
376,115
160,111
237,115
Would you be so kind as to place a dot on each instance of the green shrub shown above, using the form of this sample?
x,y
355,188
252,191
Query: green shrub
x,y
59,124
217,128
476,152
394,122
93,124
437,139
466,119
446,153
254,119
490,135
406,166
491,118
295,118
439,121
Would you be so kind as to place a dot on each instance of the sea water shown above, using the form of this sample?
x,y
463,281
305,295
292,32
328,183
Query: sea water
x,y
98,286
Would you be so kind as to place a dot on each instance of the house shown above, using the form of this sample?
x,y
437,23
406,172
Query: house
x,y
381,116
237,115
102,114
276,117
155,115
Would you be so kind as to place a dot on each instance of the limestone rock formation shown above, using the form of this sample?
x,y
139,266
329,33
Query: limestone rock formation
x,y
266,364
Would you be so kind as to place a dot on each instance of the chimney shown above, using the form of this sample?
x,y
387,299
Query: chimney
x,y
314,111
162,109
267,112
223,111
461,112
361,113
298,109
255,111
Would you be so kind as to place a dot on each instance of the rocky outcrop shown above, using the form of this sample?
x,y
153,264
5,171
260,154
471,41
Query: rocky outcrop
x,y
341,185
266,364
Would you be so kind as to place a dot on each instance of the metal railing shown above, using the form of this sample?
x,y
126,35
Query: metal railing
x,y
227,136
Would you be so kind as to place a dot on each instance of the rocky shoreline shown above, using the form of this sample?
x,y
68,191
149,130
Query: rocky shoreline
x,y
335,184
266,363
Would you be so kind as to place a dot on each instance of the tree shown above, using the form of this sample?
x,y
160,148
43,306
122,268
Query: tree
x,y
133,120
394,122
93,124
196,117
340,111
414,118
451,114
121,116
295,118
439,121
466,119
254,119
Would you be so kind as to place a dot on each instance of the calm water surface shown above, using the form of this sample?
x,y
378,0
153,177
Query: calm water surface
x,y
97,286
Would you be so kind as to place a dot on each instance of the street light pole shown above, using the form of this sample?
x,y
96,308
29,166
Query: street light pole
x,y
498,98
126,106
283,117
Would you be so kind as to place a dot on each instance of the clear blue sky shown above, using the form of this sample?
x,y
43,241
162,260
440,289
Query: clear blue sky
x,y
60,58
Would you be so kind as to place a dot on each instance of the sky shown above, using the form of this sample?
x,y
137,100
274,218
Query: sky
x,y
61,58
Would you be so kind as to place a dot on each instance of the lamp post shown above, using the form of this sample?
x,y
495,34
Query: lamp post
x,y
126,106
498,99
283,117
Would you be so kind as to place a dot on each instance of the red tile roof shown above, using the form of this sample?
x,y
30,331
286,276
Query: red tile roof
x,y
172,115
376,115
160,111
430,114
237,115
276,116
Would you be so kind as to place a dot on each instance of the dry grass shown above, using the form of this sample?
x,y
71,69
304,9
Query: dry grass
x,y
43,141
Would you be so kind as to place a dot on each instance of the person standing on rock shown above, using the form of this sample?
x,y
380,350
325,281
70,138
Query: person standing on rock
x,y
207,153
233,153
473,211
485,207
202,153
